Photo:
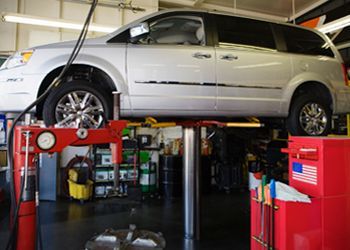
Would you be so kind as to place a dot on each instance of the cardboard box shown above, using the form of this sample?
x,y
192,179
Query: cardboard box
x,y
100,190
101,175
3,158
106,159
111,175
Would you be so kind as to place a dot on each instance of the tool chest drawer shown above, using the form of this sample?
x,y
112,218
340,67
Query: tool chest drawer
x,y
319,166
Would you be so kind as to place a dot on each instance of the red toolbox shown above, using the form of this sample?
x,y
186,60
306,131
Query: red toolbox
x,y
293,229
320,168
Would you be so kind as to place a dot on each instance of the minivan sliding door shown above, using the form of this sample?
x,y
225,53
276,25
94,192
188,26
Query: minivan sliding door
x,y
251,73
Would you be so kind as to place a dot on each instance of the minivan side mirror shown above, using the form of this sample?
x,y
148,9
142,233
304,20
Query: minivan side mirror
x,y
139,29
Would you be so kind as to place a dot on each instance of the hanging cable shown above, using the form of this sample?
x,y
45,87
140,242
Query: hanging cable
x,y
56,82
293,9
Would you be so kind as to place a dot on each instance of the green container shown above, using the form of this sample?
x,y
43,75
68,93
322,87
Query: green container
x,y
144,156
148,177
126,132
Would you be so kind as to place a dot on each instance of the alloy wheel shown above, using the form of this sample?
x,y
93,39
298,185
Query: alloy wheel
x,y
79,109
313,119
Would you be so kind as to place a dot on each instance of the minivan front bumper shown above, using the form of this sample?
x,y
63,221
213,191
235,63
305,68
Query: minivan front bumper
x,y
18,90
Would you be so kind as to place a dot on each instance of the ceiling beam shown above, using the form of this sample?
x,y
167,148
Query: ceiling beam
x,y
207,6
244,12
198,3
308,9
343,45
183,3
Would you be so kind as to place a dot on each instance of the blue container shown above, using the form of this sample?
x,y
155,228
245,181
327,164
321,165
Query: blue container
x,y
2,129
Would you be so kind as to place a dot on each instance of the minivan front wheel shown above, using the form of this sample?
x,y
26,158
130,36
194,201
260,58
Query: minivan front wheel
x,y
310,116
77,104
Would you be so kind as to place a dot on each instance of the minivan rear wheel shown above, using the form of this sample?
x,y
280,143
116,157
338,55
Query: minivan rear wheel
x,y
310,116
78,104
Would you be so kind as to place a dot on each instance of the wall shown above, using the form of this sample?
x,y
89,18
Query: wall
x,y
21,36
8,30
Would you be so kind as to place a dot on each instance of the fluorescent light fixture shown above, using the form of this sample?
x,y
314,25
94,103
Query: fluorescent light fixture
x,y
55,23
335,25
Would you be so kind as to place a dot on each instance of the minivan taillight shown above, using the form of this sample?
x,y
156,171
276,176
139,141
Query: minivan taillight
x,y
345,75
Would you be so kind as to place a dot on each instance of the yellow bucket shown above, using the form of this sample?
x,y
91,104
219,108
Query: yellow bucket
x,y
73,175
80,191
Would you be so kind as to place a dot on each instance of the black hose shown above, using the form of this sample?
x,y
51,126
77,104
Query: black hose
x,y
56,82
12,239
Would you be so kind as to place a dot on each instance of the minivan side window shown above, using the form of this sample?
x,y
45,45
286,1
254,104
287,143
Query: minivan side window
x,y
303,41
176,30
243,31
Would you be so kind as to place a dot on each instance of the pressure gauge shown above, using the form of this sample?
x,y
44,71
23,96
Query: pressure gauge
x,y
46,140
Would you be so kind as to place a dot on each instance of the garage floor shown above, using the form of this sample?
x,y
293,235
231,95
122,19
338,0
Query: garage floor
x,y
68,225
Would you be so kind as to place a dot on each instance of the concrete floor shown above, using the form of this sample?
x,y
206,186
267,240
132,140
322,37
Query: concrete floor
x,y
68,225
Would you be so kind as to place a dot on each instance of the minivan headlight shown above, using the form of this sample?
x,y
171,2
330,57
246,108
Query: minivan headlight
x,y
20,58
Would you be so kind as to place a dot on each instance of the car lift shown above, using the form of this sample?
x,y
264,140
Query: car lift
x,y
29,141
191,167
26,150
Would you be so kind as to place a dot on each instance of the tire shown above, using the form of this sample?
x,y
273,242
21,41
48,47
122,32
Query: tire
x,y
64,106
309,116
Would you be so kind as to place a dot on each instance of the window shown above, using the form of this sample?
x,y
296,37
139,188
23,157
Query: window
x,y
2,60
176,30
120,38
243,31
303,41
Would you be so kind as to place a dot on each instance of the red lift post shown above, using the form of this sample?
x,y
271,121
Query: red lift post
x,y
26,147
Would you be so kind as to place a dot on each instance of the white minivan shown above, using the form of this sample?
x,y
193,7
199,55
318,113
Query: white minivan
x,y
186,63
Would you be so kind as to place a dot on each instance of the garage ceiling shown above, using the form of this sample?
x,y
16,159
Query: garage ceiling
x,y
282,10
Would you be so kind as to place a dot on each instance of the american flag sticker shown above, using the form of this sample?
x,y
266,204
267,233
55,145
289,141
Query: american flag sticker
x,y
304,173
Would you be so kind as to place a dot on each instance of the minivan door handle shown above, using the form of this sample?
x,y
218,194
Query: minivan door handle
x,y
200,55
229,57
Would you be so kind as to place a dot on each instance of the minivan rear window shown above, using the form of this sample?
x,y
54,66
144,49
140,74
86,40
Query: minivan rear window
x,y
303,41
243,31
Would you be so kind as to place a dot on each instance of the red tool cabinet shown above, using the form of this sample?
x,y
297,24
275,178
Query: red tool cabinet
x,y
320,168
297,225
331,159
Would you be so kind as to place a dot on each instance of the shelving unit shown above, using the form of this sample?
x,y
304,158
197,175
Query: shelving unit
x,y
129,171
103,175
102,171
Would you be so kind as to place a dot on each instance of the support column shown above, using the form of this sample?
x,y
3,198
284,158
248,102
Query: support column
x,y
197,156
116,116
191,182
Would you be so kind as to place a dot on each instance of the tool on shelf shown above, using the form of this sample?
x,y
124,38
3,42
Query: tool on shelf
x,y
261,236
273,197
